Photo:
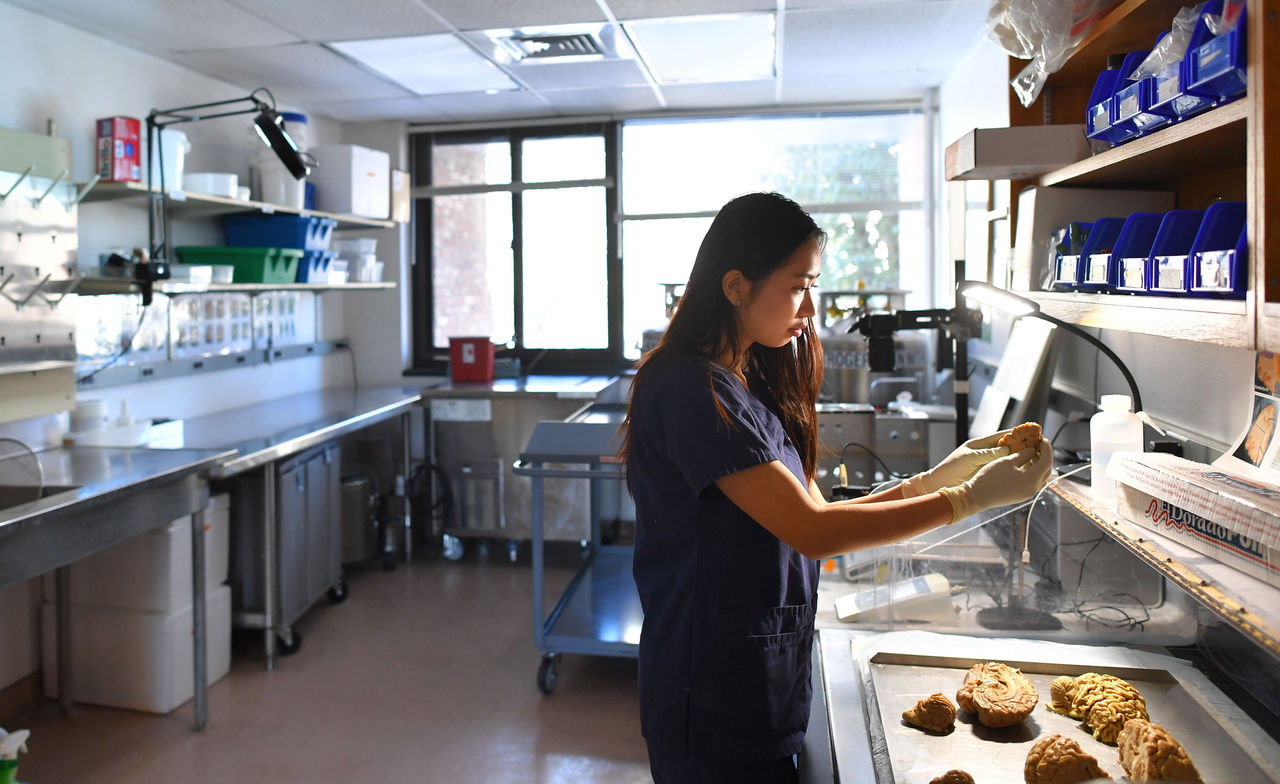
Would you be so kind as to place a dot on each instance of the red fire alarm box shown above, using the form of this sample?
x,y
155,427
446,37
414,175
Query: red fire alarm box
x,y
471,359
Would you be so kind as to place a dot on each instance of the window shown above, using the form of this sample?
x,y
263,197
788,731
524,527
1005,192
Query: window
x,y
532,238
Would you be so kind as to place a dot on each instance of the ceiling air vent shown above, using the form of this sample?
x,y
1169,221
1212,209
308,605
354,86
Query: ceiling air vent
x,y
547,47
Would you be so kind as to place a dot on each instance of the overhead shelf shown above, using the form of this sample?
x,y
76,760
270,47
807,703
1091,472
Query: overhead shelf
x,y
1254,611
1211,141
1215,321
1131,26
95,286
203,204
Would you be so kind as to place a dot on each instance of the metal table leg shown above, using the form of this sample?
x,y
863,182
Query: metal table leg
x,y
405,467
269,563
199,620
62,579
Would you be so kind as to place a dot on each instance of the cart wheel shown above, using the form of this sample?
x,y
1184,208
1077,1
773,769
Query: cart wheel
x,y
290,642
513,550
548,673
452,547
338,593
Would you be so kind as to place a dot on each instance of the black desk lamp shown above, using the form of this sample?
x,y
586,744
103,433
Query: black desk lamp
x,y
270,129
1017,306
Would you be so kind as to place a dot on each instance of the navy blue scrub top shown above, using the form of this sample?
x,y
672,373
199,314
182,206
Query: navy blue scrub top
x,y
724,659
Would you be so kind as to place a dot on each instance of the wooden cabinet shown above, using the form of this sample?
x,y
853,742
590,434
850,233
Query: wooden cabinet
x,y
1221,154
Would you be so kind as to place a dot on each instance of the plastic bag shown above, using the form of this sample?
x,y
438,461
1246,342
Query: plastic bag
x,y
1221,25
1171,47
1046,32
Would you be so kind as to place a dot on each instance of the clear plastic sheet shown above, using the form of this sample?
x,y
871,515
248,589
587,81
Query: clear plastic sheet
x,y
1221,25
1046,32
1172,47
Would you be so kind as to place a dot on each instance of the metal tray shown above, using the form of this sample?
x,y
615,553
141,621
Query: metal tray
x,y
993,756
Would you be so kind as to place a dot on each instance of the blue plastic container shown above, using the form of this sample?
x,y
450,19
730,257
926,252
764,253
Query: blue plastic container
x,y
278,231
1126,94
1133,245
1097,251
313,267
1217,67
1219,256
1067,268
1166,269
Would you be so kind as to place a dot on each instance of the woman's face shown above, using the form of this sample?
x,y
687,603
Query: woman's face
x,y
776,311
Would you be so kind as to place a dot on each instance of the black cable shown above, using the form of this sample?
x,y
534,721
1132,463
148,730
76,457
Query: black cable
x,y
355,377
1063,426
125,345
874,457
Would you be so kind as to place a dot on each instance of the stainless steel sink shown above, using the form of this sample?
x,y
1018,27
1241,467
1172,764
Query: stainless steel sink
x,y
15,495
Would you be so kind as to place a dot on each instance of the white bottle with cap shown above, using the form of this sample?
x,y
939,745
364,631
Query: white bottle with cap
x,y
1113,429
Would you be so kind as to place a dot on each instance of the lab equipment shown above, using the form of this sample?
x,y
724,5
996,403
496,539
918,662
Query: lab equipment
x,y
1113,429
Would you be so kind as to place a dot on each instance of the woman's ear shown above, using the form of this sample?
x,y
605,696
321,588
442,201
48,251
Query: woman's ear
x,y
734,286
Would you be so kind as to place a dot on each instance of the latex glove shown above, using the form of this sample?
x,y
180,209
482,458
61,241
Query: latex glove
x,y
957,467
1001,482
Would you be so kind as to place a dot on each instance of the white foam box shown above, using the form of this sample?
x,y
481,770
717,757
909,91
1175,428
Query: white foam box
x,y
1230,518
152,571
135,659
1015,153
352,180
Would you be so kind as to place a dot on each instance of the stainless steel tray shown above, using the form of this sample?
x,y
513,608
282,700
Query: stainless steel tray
x,y
993,756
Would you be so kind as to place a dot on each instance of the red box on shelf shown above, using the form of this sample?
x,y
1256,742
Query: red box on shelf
x,y
470,359
119,146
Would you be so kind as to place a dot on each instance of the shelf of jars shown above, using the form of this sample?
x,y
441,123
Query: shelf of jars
x,y
206,205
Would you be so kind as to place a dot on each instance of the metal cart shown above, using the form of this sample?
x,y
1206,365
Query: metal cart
x,y
599,612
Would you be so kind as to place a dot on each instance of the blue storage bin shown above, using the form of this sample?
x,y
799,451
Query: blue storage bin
x,y
1097,251
1166,269
1217,67
1097,119
1133,246
1219,255
1124,125
278,231
1067,268
313,267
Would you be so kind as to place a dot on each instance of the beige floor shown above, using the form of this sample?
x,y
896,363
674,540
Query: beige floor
x,y
426,674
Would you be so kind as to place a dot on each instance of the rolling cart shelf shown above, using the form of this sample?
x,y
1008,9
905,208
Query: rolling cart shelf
x,y
599,612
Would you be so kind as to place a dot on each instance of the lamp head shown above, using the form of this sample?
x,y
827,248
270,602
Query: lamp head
x,y
271,130
1001,300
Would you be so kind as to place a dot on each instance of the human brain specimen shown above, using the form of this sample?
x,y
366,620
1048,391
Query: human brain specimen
x,y
1056,759
953,777
1149,753
1000,695
934,713
1103,702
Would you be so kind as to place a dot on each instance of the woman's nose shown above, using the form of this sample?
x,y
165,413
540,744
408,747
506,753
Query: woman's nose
x,y
807,310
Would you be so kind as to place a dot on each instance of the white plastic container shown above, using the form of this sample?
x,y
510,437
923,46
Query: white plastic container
x,y
1113,429
272,183
225,184
175,149
352,180
136,659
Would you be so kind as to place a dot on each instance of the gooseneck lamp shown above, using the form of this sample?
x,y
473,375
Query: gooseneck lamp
x,y
270,128
1018,306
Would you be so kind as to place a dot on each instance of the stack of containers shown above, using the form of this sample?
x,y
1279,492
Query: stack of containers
x,y
310,235
131,617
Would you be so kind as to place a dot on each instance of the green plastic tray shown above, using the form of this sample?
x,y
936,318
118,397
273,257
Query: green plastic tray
x,y
252,265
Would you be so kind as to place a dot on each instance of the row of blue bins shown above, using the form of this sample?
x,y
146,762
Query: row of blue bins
x,y
309,234
1196,253
1210,74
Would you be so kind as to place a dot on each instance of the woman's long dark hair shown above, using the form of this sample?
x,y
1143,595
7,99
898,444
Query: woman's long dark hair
x,y
754,234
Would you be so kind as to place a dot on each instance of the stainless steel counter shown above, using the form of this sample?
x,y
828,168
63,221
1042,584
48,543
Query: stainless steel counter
x,y
577,387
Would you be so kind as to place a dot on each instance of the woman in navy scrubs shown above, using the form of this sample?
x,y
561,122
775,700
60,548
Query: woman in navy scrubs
x,y
720,448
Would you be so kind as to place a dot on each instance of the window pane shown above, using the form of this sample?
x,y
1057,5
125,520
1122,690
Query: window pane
x,y
698,165
471,267
566,291
654,252
562,158
471,163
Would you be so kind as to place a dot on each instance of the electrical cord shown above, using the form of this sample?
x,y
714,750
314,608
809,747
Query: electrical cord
x,y
874,456
34,457
355,377
126,345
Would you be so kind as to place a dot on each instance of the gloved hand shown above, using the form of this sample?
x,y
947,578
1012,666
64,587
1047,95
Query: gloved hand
x,y
956,467
1004,481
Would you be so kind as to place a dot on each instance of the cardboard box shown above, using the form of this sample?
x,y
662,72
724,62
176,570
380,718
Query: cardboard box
x,y
119,150
1015,153
1230,518
152,571
135,659
352,180
401,201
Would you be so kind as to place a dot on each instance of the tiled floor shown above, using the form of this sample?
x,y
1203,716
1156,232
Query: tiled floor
x,y
426,674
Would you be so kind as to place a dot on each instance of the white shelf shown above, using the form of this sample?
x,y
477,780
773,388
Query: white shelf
x,y
96,286
1220,322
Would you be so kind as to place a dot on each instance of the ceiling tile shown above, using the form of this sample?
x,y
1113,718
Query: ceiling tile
x,y
299,73
343,20
408,109
866,86
590,74
611,101
828,45
492,106
486,14
719,95
658,9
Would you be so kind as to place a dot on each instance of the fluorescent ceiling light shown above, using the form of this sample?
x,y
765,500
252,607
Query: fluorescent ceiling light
x,y
719,48
428,64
